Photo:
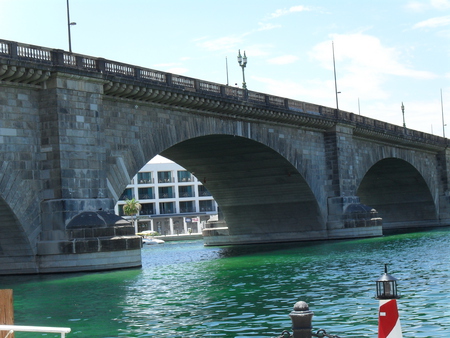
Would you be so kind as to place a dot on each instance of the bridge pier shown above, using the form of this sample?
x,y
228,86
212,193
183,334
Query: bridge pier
x,y
78,235
79,229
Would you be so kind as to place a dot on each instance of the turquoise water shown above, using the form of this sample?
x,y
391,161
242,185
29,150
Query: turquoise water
x,y
187,290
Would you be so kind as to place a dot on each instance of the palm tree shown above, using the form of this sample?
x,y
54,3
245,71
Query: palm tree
x,y
130,208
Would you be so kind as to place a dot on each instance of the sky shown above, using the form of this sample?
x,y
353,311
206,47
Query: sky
x,y
387,52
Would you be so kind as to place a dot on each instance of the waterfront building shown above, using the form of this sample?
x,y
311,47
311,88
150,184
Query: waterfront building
x,y
173,200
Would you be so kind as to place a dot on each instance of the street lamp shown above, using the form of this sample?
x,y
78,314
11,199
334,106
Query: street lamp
x,y
68,26
242,62
403,113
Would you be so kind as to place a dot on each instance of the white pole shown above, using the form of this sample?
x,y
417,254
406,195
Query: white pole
x,y
171,225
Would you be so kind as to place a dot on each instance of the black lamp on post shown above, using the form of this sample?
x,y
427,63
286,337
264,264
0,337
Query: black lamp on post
x,y
242,62
387,286
403,113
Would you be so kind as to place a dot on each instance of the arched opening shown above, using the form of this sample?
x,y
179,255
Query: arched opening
x,y
259,191
172,200
399,193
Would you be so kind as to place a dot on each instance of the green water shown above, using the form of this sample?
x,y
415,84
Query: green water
x,y
187,290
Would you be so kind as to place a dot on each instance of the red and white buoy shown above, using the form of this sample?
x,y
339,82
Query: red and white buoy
x,y
388,318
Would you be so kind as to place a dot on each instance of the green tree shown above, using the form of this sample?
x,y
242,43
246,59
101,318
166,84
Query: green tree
x,y
132,208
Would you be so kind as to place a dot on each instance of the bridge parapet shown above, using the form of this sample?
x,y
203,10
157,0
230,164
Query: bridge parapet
x,y
131,82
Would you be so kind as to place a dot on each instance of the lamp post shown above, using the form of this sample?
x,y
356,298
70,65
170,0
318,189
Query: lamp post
x,y
388,318
68,26
335,82
242,62
403,113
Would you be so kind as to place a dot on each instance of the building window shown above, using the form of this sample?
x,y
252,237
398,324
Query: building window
x,y
202,191
127,194
207,205
146,193
166,192
184,176
167,208
186,191
144,178
147,209
164,176
188,206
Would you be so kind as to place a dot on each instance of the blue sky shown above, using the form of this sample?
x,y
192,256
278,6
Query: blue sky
x,y
387,51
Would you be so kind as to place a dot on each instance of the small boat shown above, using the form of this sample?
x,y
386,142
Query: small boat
x,y
152,241
148,239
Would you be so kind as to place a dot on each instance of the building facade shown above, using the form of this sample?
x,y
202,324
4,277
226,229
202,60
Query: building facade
x,y
173,200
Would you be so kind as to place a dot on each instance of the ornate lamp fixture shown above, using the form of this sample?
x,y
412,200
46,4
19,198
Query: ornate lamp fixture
x,y
242,62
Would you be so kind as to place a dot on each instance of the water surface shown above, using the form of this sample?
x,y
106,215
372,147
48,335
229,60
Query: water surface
x,y
187,290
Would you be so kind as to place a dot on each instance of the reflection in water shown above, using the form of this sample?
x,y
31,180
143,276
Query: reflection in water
x,y
187,290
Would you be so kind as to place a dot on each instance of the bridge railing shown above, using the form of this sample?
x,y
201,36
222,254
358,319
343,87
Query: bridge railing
x,y
57,57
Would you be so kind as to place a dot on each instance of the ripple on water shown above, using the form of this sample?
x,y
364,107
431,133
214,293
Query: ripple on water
x,y
187,290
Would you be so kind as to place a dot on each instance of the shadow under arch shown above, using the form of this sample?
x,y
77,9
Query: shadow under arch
x,y
399,193
16,254
258,190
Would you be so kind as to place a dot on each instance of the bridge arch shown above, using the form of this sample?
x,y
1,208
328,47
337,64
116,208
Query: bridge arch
x,y
258,190
399,192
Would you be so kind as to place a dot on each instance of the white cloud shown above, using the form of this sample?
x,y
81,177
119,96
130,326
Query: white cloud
x,y
284,11
419,6
283,60
257,50
365,53
434,22
416,6
267,26
223,43
364,69
440,4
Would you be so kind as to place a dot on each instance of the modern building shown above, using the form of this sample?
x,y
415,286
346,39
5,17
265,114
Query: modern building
x,y
173,200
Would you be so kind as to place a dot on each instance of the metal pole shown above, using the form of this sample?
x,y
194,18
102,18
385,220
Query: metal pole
x,y
442,109
335,82
226,65
68,27
244,85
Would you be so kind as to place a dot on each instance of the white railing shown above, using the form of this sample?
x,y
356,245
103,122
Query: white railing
x,y
22,328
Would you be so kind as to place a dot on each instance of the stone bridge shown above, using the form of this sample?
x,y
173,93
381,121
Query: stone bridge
x,y
75,129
